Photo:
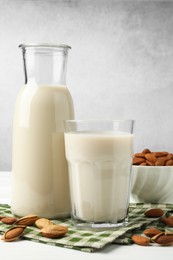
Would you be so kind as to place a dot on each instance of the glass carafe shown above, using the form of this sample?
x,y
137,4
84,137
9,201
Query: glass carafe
x,y
40,175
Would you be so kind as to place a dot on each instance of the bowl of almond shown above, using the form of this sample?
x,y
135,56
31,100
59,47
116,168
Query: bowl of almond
x,y
152,177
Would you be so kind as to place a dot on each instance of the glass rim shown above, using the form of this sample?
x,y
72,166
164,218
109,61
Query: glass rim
x,y
44,45
98,120
98,124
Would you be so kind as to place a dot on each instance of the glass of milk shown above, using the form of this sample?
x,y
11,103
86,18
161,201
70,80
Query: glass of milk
x,y
99,155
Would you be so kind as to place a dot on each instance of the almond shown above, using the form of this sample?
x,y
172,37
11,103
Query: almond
x,y
153,158
42,222
28,220
13,233
143,164
146,151
8,220
149,163
160,154
150,232
160,161
163,239
142,155
169,157
169,163
140,240
150,157
54,231
171,154
138,160
168,221
163,158
154,213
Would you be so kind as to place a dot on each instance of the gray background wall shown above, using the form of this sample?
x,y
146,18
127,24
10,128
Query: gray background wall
x,y
120,65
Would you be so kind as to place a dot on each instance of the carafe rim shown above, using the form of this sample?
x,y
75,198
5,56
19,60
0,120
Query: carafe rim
x,y
44,45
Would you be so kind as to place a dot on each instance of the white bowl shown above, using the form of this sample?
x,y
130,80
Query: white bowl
x,y
152,184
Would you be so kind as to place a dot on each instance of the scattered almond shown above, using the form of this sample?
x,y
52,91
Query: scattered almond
x,y
168,221
154,235
28,220
54,231
42,222
163,239
140,240
150,232
154,213
13,233
48,228
8,220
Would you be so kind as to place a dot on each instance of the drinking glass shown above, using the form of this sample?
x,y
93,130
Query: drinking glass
x,y
99,155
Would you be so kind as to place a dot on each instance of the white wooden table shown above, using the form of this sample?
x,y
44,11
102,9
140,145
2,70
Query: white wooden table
x,y
27,250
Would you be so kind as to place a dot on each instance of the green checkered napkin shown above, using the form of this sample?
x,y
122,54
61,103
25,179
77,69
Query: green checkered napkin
x,y
87,240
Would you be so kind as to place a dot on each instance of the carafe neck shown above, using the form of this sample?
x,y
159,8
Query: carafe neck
x,y
45,64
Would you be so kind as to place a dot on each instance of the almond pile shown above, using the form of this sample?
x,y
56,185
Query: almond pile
x,y
148,158
47,228
153,235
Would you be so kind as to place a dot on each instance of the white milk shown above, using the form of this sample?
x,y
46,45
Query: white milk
x,y
40,176
99,168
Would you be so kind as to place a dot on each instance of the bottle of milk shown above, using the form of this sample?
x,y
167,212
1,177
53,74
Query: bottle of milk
x,y
40,177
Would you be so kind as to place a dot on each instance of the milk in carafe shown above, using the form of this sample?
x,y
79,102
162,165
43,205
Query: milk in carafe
x,y
40,176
